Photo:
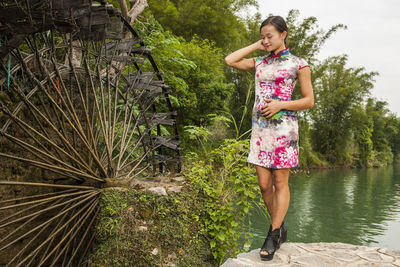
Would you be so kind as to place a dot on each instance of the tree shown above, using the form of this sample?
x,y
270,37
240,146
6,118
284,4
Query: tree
x,y
362,127
385,128
215,20
338,90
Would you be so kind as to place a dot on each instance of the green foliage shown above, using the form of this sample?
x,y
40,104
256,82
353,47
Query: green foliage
x,y
338,90
194,70
384,129
362,129
202,139
393,134
209,19
207,81
229,187
308,158
174,226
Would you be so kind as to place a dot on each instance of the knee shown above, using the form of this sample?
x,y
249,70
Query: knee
x,y
281,184
265,188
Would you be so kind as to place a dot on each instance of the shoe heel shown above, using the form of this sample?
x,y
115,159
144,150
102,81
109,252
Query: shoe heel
x,y
284,237
284,233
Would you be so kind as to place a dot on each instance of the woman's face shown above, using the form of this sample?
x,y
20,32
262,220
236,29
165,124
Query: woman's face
x,y
271,38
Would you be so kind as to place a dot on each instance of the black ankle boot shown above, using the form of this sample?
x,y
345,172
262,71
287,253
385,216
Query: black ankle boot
x,y
271,244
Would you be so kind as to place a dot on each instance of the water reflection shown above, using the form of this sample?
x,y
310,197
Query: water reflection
x,y
352,206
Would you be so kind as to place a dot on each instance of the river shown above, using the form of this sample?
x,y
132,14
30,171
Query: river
x,y
356,206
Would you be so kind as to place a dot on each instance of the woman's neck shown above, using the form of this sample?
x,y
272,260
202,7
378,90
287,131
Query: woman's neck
x,y
281,48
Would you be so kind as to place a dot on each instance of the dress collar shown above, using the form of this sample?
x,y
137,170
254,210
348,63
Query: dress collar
x,y
281,53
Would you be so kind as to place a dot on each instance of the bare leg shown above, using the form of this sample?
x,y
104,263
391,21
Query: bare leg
x,y
281,197
266,186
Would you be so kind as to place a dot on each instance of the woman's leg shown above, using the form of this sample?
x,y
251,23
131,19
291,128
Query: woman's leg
x,y
275,192
266,186
281,197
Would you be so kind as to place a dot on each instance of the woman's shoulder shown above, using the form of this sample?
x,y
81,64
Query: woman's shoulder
x,y
295,57
300,61
259,60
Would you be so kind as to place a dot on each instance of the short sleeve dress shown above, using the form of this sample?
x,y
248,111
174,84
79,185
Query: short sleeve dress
x,y
274,141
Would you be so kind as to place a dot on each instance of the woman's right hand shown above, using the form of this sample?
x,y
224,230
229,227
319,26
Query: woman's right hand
x,y
260,45
237,59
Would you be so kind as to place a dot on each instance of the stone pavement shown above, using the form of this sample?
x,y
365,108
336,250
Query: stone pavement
x,y
320,254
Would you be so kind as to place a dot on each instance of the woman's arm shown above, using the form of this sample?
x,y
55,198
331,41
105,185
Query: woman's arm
x,y
307,101
237,59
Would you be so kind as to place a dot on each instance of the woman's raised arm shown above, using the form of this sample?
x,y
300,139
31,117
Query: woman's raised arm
x,y
237,59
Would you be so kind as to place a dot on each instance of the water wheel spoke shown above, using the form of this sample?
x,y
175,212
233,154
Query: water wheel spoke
x,y
72,232
16,230
14,214
81,241
45,201
49,245
33,239
60,228
29,130
35,196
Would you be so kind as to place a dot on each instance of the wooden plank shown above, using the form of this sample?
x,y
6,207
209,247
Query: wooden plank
x,y
168,141
146,82
125,59
122,45
45,18
68,4
14,42
11,14
140,77
148,86
148,98
114,29
78,11
166,158
96,18
140,50
174,113
159,118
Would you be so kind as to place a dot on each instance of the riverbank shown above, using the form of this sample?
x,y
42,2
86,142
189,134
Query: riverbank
x,y
320,254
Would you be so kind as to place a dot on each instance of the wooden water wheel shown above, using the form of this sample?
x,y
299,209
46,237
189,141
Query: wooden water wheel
x,y
79,106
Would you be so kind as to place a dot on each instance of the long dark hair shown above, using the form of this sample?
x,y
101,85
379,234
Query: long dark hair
x,y
278,22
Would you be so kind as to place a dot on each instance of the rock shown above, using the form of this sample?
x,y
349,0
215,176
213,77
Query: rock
x,y
178,179
159,190
175,189
142,228
172,256
155,251
319,254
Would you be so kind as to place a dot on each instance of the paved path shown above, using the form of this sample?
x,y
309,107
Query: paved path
x,y
320,254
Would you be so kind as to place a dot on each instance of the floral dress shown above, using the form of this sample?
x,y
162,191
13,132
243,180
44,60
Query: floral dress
x,y
274,141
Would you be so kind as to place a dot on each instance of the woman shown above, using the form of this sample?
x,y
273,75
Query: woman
x,y
274,139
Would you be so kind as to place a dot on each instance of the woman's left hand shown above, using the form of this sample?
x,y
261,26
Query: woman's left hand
x,y
273,107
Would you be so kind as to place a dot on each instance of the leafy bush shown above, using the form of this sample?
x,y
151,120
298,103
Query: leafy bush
x,y
229,188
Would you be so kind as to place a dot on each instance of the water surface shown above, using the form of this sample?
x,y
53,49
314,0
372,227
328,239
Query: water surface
x,y
356,206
